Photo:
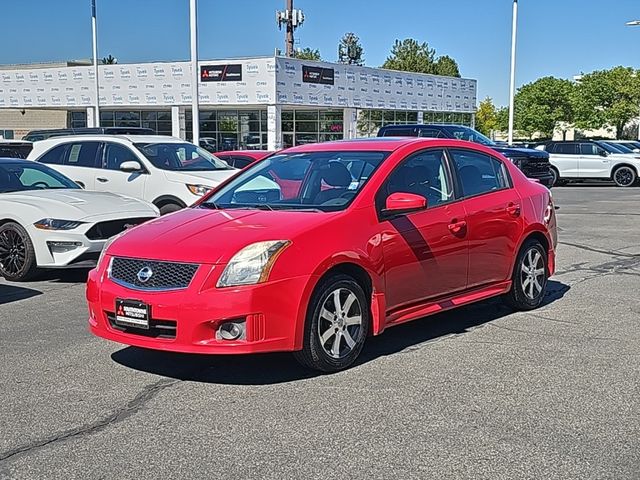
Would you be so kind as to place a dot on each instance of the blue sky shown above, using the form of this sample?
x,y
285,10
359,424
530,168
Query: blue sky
x,y
556,37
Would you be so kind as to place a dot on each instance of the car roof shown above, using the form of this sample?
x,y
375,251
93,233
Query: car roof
x,y
251,153
10,160
105,137
374,144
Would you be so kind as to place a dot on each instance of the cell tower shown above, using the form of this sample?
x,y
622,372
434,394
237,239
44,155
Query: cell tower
x,y
291,19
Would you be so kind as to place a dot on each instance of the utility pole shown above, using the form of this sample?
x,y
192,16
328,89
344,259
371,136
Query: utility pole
x,y
512,85
195,72
96,83
291,19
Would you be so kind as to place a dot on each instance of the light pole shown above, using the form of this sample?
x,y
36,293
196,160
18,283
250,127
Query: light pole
x,y
635,23
512,85
94,31
195,72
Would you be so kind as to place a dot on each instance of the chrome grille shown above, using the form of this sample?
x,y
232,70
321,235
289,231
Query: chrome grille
x,y
164,276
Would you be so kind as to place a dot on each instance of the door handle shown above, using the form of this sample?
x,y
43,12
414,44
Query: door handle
x,y
457,227
513,209
102,179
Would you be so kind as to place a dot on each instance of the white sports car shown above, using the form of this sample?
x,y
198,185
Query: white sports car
x,y
48,221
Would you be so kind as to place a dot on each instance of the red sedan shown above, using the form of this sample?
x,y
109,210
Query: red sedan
x,y
317,247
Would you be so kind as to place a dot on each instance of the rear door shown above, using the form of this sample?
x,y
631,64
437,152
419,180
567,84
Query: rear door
x,y
77,160
565,157
493,215
594,162
111,179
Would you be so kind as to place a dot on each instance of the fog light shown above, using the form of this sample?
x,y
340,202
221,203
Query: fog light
x,y
231,331
63,247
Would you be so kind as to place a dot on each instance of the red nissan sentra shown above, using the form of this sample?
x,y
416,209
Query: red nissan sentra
x,y
317,247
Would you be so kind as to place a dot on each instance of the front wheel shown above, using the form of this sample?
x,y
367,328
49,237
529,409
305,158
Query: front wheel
x,y
529,280
625,176
336,326
17,256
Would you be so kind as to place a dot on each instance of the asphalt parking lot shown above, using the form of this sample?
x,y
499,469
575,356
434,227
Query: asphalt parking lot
x,y
477,393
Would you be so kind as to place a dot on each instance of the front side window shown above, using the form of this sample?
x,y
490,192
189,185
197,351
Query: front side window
x,y
589,149
18,177
423,174
479,173
460,132
326,181
180,157
430,133
115,155
82,154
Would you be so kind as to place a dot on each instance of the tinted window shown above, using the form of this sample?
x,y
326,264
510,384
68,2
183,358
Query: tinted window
x,y
180,157
460,132
82,154
565,148
115,154
430,133
422,174
54,156
241,161
589,149
479,173
399,132
17,177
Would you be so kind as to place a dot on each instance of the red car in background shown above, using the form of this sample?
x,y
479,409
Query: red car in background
x,y
366,234
242,158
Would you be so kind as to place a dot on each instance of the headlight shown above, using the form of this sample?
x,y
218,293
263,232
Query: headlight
x,y
106,246
252,264
199,190
55,224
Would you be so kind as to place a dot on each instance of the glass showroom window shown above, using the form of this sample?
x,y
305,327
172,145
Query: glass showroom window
x,y
370,121
157,120
301,127
231,129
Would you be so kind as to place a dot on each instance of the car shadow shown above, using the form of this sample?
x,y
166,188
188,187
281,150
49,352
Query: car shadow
x,y
13,293
273,368
62,275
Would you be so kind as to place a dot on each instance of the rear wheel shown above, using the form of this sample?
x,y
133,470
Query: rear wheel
x,y
336,326
557,181
624,176
530,275
169,208
17,256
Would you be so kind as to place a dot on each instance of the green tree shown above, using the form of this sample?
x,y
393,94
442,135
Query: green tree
x,y
607,98
447,66
502,119
110,60
350,50
308,54
486,117
540,105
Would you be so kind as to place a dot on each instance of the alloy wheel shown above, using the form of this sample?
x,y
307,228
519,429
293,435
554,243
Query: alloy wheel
x,y
624,176
13,252
339,323
532,274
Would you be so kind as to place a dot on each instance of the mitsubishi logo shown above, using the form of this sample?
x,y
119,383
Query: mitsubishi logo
x,y
145,274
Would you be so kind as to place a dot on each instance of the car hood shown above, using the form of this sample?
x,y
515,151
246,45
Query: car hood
x,y
79,204
199,235
210,178
521,152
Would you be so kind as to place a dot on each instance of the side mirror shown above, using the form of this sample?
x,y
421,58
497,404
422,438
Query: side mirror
x,y
603,153
131,166
401,202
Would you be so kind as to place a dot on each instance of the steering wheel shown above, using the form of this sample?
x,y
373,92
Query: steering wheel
x,y
41,184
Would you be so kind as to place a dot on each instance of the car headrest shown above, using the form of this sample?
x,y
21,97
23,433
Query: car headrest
x,y
336,175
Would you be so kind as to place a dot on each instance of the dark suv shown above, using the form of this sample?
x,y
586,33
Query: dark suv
x,y
533,163
37,135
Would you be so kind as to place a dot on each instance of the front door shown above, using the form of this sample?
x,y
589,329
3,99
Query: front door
x,y
425,252
493,214
594,162
111,179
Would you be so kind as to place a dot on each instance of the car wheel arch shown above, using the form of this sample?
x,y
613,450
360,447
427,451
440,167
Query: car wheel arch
x,y
536,232
166,199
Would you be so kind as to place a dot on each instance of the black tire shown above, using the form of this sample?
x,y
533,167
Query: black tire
x,y
523,283
557,181
624,176
169,208
314,353
17,256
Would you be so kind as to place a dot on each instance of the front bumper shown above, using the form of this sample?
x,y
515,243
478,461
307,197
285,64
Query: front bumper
x,y
545,179
272,312
55,248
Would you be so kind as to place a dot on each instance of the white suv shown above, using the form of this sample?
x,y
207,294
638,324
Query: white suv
x,y
166,171
585,159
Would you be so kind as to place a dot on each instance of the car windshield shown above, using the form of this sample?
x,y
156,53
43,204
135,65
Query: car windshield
x,y
181,157
469,134
317,181
19,177
615,147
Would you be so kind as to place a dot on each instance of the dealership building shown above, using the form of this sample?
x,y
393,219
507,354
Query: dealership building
x,y
266,102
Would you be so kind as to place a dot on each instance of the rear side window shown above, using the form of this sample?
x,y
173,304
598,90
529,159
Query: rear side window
x,y
241,161
479,173
54,156
566,148
399,132
82,154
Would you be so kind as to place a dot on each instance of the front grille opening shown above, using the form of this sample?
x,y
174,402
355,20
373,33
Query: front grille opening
x,y
164,275
105,230
157,328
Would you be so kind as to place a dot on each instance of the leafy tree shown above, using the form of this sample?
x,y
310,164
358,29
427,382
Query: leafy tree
x,y
607,97
308,54
486,117
540,105
410,56
110,60
350,50
447,66
502,119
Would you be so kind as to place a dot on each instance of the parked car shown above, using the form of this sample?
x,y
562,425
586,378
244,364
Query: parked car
x,y
166,171
591,160
37,135
370,234
209,144
48,221
242,158
633,145
530,161
14,148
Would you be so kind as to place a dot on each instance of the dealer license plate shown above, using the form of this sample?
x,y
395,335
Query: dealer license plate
x,y
131,313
